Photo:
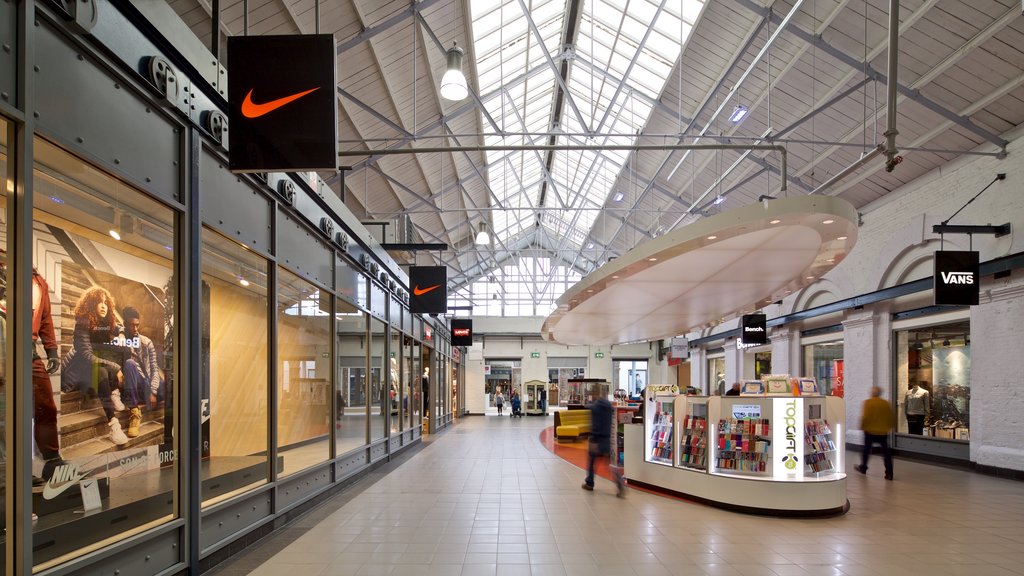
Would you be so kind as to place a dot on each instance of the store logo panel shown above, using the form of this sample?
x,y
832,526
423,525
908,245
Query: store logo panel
x,y
429,294
957,280
753,329
281,91
787,438
462,332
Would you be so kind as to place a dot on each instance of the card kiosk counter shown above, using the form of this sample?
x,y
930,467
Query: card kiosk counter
x,y
780,455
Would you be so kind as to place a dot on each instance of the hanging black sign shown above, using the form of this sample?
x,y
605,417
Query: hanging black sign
x,y
428,289
462,331
281,90
956,278
754,329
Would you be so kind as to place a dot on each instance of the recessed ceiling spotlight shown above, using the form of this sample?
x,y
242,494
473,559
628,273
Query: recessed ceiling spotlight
x,y
831,260
829,221
615,277
841,238
738,113
774,221
590,290
590,245
712,237
243,281
652,259
810,277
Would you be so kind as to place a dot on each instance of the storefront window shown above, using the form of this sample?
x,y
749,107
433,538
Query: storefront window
x,y
379,397
350,420
103,348
6,187
716,376
416,379
933,381
397,386
505,376
303,373
560,371
629,375
824,363
762,364
235,367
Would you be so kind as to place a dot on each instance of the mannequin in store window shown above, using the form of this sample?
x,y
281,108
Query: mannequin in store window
x,y
44,408
916,406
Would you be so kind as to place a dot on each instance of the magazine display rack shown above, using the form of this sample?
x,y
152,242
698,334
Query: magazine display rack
x,y
781,455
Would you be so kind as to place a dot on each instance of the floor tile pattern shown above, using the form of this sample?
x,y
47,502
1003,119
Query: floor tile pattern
x,y
485,498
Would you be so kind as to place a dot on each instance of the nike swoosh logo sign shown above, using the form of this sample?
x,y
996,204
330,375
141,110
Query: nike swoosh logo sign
x,y
251,109
417,291
69,476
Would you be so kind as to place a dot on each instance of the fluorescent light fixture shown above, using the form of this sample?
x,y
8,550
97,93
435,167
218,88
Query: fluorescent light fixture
x,y
482,237
719,200
453,83
738,113
590,246
618,196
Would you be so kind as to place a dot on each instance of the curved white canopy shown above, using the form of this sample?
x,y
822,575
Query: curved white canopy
x,y
704,273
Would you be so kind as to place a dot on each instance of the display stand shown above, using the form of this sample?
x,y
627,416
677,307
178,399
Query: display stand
x,y
780,455
580,390
658,423
623,415
536,398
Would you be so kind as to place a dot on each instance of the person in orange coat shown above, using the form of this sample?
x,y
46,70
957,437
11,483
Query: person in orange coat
x,y
876,421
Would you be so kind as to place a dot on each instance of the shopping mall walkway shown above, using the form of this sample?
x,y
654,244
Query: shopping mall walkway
x,y
486,498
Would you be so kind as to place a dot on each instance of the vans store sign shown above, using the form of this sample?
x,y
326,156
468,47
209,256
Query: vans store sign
x,y
956,278
754,329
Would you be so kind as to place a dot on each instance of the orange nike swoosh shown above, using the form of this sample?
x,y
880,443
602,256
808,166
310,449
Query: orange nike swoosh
x,y
251,109
417,291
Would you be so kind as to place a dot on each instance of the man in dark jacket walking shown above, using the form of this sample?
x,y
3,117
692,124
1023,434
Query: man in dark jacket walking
x,y
600,446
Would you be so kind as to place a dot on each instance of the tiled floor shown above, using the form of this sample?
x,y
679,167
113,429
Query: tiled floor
x,y
486,498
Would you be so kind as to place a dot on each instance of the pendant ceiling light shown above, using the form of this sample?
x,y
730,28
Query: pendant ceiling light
x,y
482,237
453,83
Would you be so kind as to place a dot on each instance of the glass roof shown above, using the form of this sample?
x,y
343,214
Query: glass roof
x,y
622,54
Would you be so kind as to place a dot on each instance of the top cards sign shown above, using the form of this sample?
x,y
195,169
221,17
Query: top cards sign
x,y
956,278
281,91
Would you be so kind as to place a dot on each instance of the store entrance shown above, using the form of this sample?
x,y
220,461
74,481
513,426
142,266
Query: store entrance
x,y
503,376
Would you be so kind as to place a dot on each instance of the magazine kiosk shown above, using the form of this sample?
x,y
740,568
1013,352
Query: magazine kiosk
x,y
778,452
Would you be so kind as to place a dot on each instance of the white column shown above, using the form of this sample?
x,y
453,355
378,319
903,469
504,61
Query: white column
x,y
867,361
736,369
786,351
997,402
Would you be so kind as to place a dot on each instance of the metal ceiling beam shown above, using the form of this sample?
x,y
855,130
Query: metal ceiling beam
x,y
415,7
853,62
551,63
1003,90
737,57
373,112
632,63
464,109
